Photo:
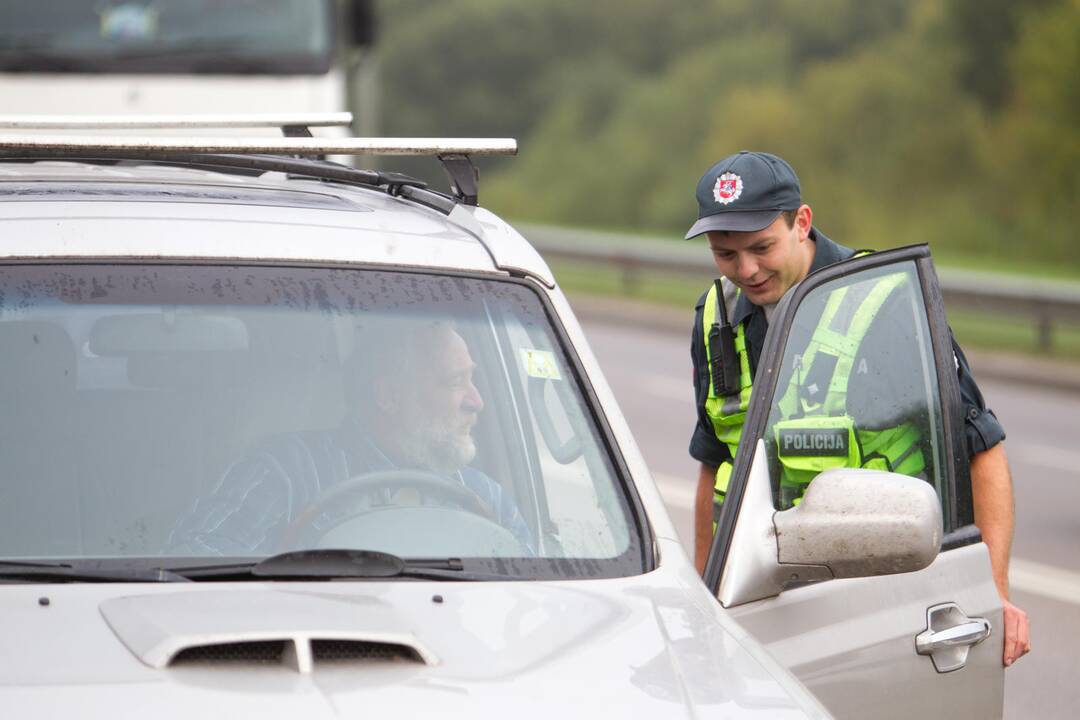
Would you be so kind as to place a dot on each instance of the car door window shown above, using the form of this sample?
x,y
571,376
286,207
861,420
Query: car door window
x,y
857,386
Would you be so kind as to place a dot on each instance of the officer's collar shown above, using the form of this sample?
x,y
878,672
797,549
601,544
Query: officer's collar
x,y
826,253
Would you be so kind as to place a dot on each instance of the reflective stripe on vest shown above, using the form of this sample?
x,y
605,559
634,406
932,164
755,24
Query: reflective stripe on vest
x,y
895,449
839,334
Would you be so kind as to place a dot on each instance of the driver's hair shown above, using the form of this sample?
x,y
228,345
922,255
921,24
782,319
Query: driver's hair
x,y
390,351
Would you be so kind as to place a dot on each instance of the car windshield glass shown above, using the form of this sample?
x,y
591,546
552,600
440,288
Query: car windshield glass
x,y
183,414
167,36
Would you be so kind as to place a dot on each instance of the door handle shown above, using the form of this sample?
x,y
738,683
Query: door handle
x,y
949,636
969,633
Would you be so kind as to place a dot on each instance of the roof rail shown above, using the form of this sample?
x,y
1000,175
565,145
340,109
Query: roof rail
x,y
172,122
453,153
71,145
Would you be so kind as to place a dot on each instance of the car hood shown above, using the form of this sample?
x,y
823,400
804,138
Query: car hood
x,y
615,648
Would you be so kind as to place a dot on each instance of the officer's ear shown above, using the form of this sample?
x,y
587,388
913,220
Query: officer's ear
x,y
804,221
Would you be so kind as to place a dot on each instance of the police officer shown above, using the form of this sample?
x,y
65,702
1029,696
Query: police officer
x,y
763,242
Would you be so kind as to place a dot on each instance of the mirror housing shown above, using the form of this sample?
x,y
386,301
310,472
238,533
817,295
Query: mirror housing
x,y
859,523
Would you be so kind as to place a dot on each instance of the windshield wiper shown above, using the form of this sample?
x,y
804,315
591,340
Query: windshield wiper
x,y
22,60
335,564
65,572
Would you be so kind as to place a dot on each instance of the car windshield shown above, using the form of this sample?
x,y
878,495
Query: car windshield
x,y
167,36
182,415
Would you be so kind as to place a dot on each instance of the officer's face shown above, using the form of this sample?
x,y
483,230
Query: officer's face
x,y
765,263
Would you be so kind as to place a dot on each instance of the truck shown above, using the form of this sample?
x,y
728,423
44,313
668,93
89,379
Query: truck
x,y
124,57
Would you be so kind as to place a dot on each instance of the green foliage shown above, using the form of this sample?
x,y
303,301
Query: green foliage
x,y
955,122
1033,160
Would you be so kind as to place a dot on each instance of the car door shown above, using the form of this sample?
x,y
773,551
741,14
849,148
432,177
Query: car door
x,y
863,345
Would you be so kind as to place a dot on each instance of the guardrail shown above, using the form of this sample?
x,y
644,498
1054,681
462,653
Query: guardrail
x,y
1045,304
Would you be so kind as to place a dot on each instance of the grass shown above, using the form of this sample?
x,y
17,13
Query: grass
x,y
972,329
979,331
1020,266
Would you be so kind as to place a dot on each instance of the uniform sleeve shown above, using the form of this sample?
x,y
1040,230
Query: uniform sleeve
x,y
886,351
704,446
981,427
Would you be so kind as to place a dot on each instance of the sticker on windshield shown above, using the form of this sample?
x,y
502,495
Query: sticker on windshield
x,y
129,21
540,364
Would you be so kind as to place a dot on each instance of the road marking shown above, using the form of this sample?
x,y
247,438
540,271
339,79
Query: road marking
x,y
1045,580
1046,456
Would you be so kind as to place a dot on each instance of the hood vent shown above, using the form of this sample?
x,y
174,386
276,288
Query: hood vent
x,y
257,627
298,654
338,651
269,652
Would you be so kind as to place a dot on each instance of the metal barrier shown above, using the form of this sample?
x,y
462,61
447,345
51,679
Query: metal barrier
x,y
1045,303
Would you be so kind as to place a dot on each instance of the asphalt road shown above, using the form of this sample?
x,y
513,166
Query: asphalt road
x,y
649,371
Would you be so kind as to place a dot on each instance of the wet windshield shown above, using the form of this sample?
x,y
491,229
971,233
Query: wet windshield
x,y
167,36
182,415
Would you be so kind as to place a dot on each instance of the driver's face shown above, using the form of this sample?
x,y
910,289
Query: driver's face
x,y
452,394
442,408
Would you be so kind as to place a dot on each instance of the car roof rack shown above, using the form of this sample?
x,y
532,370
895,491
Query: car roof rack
x,y
250,153
173,122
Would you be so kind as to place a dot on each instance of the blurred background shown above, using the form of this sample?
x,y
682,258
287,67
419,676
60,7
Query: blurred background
x,y
951,122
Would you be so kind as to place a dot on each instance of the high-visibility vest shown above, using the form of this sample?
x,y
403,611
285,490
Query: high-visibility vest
x,y
819,418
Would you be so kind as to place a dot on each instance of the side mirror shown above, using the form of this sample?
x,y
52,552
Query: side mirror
x,y
862,522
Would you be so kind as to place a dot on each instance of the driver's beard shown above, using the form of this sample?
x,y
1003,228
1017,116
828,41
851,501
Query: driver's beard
x,y
438,444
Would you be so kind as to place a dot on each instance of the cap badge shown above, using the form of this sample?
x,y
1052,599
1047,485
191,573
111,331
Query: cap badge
x,y
728,188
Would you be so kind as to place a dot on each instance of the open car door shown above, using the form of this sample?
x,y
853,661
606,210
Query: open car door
x,y
847,542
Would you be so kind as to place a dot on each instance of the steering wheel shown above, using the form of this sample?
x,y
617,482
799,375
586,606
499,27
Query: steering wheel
x,y
429,484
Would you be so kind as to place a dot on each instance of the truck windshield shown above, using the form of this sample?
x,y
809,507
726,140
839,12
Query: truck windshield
x,y
167,36
182,415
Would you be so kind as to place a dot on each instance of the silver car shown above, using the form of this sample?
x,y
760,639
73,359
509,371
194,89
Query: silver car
x,y
286,438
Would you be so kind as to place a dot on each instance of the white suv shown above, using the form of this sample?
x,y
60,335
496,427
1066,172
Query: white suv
x,y
285,438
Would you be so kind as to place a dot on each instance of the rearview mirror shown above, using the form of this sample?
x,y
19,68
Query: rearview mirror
x,y
860,522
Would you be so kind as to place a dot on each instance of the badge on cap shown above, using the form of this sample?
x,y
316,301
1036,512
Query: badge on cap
x,y
728,188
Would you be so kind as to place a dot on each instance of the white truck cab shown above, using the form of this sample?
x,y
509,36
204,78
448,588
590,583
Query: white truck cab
x,y
181,56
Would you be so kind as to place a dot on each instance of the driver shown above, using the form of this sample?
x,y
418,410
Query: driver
x,y
414,406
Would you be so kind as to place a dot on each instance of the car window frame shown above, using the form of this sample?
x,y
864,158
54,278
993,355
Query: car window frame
x,y
638,522
959,529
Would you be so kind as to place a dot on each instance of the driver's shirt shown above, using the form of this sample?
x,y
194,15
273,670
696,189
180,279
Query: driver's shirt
x,y
261,494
